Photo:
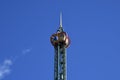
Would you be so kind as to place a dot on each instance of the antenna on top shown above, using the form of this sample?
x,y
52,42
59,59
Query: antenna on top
x,y
60,28
60,19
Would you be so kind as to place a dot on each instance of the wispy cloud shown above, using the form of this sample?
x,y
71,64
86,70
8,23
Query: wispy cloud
x,y
26,51
5,68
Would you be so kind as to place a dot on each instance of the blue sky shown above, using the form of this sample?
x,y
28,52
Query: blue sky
x,y
26,26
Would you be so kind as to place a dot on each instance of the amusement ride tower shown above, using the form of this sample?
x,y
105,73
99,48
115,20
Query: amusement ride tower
x,y
60,41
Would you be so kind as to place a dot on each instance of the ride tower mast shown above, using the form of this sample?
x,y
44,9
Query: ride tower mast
x,y
60,41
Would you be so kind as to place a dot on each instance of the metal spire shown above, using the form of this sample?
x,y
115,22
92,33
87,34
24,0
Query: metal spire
x,y
60,28
60,19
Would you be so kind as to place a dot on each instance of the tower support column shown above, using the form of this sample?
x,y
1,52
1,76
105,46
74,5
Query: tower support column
x,y
60,63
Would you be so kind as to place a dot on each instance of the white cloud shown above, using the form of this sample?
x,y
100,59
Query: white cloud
x,y
5,68
26,51
7,63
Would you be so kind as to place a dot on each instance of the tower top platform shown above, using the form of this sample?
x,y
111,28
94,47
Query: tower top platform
x,y
60,37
